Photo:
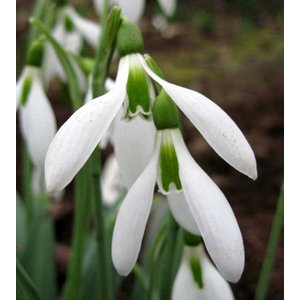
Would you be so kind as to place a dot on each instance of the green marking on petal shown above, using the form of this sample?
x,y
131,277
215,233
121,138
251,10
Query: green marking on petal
x,y
138,90
68,24
197,271
26,90
169,167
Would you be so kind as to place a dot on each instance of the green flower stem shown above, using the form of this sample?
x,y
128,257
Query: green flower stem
x,y
265,275
104,55
28,198
154,257
66,63
103,257
38,12
80,230
106,48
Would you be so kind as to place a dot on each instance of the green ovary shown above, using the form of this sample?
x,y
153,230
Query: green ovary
x,y
169,164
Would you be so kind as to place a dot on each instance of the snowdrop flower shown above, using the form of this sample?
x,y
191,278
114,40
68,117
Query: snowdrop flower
x,y
172,166
37,119
207,285
134,9
77,138
70,31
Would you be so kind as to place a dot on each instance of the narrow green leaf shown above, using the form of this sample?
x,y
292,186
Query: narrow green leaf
x,y
25,287
21,228
39,254
275,235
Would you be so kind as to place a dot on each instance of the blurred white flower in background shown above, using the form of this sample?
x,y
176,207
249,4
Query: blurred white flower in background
x,y
37,121
134,9
187,286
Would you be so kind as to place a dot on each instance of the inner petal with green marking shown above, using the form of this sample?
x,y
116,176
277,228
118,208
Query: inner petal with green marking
x,y
138,89
169,169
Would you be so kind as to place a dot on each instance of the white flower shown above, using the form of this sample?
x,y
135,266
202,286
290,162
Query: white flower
x,y
134,9
77,138
209,207
71,40
37,121
185,286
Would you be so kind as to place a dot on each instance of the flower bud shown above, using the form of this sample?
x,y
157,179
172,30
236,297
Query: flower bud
x,y
165,112
129,39
35,53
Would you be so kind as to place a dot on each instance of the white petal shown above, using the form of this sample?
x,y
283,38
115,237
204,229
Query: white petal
x,y
78,137
132,9
88,29
213,123
37,121
168,6
184,286
212,213
181,212
215,286
111,181
132,218
133,144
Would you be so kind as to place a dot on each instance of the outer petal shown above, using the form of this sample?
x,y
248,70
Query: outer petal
x,y
89,30
215,286
133,144
78,137
181,212
37,121
132,9
132,218
212,214
214,124
168,6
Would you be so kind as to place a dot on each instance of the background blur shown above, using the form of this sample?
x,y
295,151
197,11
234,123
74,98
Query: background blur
x,y
232,52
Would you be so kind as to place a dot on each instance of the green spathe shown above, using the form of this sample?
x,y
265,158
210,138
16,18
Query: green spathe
x,y
36,52
165,112
129,39
138,89
169,168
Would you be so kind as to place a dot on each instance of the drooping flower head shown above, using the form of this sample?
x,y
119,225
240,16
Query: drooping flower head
x,y
70,30
173,168
37,119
